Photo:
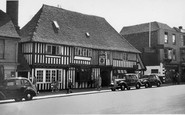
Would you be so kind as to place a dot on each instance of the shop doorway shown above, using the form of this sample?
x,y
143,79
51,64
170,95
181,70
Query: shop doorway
x,y
105,74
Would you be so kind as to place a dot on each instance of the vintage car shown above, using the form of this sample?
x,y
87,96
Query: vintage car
x,y
150,80
17,88
127,81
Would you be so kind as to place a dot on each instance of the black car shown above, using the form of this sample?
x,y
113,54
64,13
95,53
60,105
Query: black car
x,y
126,82
150,80
17,88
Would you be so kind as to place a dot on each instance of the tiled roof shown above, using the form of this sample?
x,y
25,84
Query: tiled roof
x,y
73,30
7,28
144,28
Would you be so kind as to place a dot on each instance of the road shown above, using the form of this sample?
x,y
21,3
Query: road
x,y
159,100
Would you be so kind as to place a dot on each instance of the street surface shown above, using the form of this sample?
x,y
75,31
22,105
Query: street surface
x,y
156,100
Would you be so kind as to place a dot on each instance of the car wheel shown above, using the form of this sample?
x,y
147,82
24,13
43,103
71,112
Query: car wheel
x,y
122,87
146,85
137,86
113,89
28,96
158,84
128,88
18,99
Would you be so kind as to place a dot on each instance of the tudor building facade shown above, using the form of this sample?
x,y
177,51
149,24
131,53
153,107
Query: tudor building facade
x,y
60,44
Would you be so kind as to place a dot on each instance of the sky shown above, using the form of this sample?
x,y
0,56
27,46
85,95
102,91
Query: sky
x,y
119,13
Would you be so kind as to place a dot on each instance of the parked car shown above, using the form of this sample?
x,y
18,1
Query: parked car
x,y
126,82
162,78
150,80
17,88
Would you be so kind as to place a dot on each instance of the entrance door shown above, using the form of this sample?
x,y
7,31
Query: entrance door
x,y
105,74
1,73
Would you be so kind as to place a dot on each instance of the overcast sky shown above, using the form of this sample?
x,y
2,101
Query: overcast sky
x,y
118,13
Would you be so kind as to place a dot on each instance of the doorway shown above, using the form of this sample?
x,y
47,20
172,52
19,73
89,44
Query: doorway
x,y
105,74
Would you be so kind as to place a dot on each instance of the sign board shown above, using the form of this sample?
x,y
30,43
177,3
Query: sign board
x,y
102,60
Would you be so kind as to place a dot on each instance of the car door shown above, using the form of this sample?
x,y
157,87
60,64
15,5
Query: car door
x,y
11,89
132,80
152,79
20,87
128,80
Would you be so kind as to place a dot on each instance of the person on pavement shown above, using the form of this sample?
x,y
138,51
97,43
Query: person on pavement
x,y
99,82
70,85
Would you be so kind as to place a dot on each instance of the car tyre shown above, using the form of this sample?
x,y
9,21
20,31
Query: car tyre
x,y
128,88
137,86
122,87
28,96
146,85
113,89
158,84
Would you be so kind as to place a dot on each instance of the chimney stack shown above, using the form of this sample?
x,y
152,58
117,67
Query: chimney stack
x,y
12,11
180,27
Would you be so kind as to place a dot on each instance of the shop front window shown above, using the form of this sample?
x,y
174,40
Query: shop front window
x,y
40,76
48,76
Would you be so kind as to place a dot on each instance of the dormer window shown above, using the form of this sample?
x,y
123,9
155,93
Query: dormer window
x,y
87,34
56,24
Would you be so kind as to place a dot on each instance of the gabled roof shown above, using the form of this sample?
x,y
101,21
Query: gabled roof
x,y
7,28
75,29
144,28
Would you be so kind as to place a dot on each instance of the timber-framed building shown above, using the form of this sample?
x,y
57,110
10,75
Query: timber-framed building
x,y
63,44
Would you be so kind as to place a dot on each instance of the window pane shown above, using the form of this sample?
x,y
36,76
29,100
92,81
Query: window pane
x,y
10,83
49,49
40,76
174,39
59,75
165,37
165,53
54,50
17,82
48,76
1,48
54,75
174,54
154,70
170,54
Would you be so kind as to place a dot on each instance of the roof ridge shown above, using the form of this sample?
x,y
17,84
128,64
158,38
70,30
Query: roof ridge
x,y
45,5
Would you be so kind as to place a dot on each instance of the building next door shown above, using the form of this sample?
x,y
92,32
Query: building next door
x,y
105,74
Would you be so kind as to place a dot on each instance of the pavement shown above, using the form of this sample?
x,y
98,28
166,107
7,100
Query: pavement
x,y
62,93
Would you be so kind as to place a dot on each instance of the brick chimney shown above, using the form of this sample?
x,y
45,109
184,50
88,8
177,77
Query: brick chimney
x,y
12,11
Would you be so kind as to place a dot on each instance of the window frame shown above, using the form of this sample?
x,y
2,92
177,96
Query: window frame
x,y
174,55
84,52
53,49
174,39
165,37
40,76
2,54
183,38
